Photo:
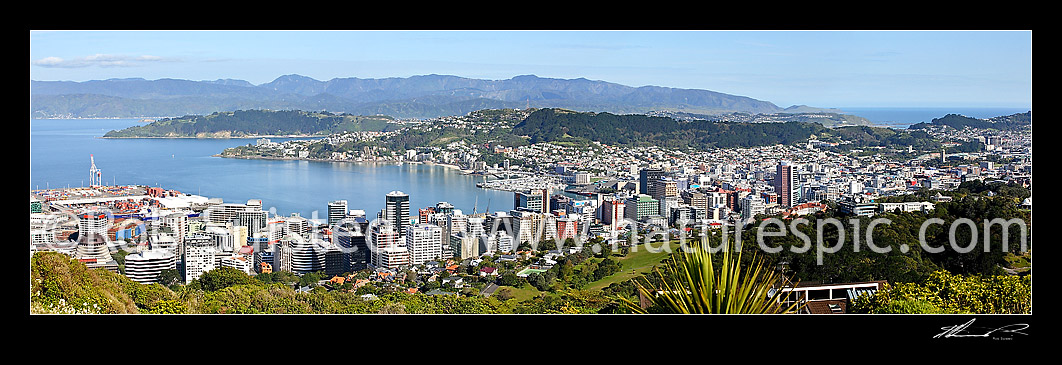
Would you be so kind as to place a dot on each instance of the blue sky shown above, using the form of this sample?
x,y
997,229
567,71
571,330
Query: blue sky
x,y
817,68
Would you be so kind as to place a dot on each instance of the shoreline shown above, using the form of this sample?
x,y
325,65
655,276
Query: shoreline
x,y
230,137
374,162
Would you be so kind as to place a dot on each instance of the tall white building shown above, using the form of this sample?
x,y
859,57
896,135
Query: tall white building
x,y
254,220
223,213
424,243
223,239
393,258
504,242
533,227
476,226
751,205
381,238
198,256
282,253
612,212
456,222
297,225
177,225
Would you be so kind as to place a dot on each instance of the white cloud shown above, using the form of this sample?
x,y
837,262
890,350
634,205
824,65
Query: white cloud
x,y
97,60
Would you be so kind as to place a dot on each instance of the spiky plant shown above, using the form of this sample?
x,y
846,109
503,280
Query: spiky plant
x,y
692,284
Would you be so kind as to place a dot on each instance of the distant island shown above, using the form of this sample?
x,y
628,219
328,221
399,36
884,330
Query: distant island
x,y
256,123
296,123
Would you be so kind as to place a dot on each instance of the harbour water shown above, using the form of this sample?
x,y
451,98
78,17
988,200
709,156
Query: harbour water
x,y
901,118
60,150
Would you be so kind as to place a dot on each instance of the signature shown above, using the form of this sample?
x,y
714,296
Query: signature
x,y
957,331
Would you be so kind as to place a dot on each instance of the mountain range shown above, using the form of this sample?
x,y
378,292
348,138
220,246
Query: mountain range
x,y
426,96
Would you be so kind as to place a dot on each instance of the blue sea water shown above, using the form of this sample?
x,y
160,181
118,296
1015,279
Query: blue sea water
x,y
903,117
60,150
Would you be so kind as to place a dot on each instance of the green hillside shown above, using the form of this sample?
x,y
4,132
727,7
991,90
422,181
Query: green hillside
x,y
552,125
246,123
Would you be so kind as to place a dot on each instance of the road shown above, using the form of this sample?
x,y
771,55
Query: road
x,y
489,289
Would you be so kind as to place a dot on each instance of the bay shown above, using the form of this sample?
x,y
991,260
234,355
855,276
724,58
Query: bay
x,y
60,150
903,117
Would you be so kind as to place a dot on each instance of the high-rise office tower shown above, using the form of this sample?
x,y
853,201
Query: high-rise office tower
x,y
476,226
647,177
223,213
224,241
751,205
297,225
337,210
424,243
198,256
783,185
464,245
178,226
567,227
533,199
253,219
444,207
456,222
641,206
381,238
663,188
337,261
396,210
612,212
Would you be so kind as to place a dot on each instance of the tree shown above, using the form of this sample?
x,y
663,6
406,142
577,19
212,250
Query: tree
x,y
691,283
223,277
547,245
169,277
944,292
504,294
510,279
310,278
540,281
167,307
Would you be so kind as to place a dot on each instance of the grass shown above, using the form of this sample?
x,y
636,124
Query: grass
x,y
634,264
528,292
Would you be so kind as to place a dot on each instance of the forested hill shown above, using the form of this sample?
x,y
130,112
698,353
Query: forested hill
x,y
254,123
639,130
1008,122
553,125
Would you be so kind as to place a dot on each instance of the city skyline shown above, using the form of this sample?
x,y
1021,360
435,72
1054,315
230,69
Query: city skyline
x,y
816,68
537,208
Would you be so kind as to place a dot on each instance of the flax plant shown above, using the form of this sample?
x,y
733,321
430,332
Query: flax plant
x,y
691,283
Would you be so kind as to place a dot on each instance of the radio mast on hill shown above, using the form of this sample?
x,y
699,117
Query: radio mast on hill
x,y
95,178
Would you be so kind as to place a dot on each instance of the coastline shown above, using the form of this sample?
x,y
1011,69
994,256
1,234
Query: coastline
x,y
374,162
218,137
